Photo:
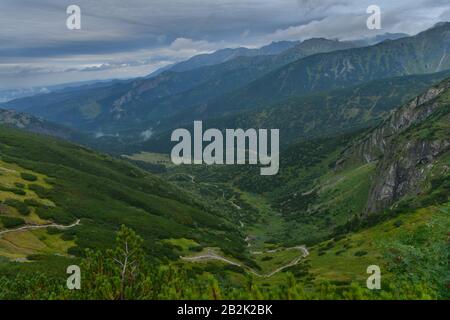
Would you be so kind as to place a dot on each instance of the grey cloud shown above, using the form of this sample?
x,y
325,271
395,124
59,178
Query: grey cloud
x,y
129,38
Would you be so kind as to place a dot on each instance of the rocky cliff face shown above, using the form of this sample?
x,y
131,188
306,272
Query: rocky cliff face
x,y
402,171
374,145
33,124
404,156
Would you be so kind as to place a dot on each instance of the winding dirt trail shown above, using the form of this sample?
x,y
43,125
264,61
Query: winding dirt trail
x,y
210,255
54,225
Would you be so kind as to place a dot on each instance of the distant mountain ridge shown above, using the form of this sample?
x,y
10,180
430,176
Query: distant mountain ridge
x,y
273,48
224,55
103,107
383,37
126,110
426,52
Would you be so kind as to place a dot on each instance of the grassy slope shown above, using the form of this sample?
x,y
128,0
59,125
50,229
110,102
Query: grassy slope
x,y
105,193
19,245
347,259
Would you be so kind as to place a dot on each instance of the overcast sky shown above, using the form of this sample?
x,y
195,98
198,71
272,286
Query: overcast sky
x,y
129,38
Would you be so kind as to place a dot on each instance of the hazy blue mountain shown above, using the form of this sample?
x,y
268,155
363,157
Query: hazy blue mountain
x,y
427,52
133,109
224,55
130,103
17,93
382,37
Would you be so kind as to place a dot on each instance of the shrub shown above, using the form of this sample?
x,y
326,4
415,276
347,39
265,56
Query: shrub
x,y
19,185
195,248
32,203
19,192
36,257
67,237
21,207
76,251
329,245
267,258
398,223
39,190
53,230
13,190
360,253
28,176
11,222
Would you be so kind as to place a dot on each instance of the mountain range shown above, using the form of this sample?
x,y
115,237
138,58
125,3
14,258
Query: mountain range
x,y
131,108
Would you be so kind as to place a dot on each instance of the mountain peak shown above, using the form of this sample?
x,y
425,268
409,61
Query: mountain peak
x,y
319,40
441,24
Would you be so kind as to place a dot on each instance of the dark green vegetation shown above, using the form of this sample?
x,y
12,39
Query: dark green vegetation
x,y
105,278
11,222
322,197
328,185
326,114
104,193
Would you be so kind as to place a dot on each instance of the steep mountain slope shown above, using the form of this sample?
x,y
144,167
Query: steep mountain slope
x,y
410,141
317,74
240,71
311,116
274,48
37,125
44,181
337,111
135,109
224,55
427,52
141,103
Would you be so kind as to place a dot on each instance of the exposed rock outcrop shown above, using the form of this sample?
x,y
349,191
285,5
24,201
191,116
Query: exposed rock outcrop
x,y
403,162
402,175
34,124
